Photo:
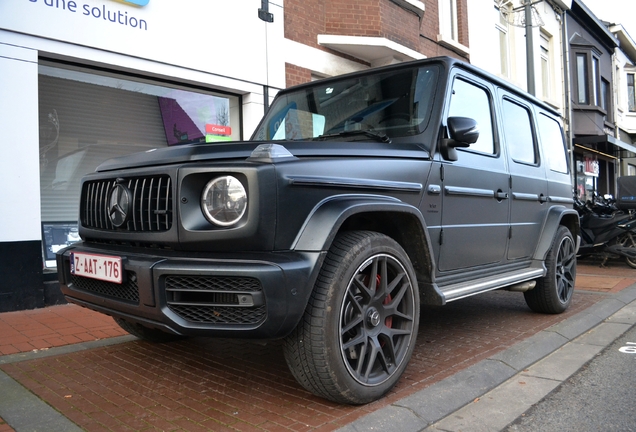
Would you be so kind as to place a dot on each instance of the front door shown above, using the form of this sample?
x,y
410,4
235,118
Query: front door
x,y
475,187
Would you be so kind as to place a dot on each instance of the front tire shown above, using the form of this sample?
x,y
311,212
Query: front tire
x,y
360,325
553,292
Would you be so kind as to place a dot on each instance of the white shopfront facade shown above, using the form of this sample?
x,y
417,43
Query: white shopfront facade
x,y
85,80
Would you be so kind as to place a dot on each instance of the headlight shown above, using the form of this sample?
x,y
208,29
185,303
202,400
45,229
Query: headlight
x,y
224,200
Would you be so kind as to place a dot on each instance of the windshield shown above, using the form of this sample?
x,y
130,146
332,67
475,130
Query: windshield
x,y
390,104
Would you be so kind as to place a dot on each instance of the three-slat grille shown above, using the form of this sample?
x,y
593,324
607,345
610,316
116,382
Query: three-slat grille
x,y
150,209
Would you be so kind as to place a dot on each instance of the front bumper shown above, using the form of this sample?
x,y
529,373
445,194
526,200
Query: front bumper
x,y
259,295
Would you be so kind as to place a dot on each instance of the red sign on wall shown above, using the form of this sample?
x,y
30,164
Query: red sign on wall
x,y
213,129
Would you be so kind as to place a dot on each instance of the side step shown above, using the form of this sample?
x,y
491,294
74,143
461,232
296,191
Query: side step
x,y
466,289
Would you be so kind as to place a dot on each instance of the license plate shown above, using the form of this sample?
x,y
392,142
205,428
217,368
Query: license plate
x,y
102,267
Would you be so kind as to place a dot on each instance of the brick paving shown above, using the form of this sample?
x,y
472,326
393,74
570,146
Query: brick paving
x,y
50,327
4,427
237,385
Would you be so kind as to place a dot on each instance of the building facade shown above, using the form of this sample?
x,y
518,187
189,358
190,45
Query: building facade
x,y
625,96
82,81
562,53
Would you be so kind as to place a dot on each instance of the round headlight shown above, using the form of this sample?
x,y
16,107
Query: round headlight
x,y
224,200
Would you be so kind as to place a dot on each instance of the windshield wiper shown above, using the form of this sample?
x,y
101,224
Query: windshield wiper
x,y
379,136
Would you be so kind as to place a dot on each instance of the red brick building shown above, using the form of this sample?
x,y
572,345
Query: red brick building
x,y
335,36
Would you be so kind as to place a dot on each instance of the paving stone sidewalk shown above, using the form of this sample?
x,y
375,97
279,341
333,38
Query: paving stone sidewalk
x,y
81,364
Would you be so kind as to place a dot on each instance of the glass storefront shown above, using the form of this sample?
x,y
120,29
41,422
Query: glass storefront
x,y
87,117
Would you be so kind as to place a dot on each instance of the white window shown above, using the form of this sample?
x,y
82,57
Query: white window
x,y
448,19
546,66
631,95
501,25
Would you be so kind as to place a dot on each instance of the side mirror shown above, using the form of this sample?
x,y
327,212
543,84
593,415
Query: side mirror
x,y
463,132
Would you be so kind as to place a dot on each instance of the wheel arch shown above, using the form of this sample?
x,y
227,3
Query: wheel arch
x,y
557,216
401,221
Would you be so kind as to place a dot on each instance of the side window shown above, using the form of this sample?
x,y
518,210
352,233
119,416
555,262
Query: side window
x,y
553,144
518,132
471,101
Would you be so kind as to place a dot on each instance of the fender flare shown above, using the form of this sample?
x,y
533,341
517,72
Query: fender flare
x,y
327,217
557,215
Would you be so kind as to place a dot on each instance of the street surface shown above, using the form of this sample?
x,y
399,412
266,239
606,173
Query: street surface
x,y
600,397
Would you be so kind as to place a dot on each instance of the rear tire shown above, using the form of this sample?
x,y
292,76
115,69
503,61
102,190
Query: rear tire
x,y
147,333
360,325
553,292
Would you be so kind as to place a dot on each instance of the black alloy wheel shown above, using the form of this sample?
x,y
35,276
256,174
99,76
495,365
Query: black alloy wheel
x,y
361,323
553,292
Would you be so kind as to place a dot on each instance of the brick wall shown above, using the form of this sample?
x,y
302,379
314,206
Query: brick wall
x,y
429,30
296,75
305,20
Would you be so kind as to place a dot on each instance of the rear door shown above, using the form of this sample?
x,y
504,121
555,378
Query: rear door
x,y
528,185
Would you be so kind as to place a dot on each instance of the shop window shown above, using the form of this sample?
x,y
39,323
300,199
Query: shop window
x,y
87,118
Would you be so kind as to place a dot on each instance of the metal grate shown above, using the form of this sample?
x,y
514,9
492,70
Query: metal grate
x,y
215,300
127,291
219,315
151,206
216,283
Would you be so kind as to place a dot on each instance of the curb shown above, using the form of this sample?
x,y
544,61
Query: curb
x,y
576,340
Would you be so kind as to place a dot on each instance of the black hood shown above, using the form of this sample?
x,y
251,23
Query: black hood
x,y
243,150
180,154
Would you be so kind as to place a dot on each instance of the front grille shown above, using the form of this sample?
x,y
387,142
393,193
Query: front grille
x,y
216,300
127,291
150,207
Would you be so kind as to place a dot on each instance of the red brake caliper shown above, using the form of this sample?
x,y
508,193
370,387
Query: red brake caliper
x,y
388,321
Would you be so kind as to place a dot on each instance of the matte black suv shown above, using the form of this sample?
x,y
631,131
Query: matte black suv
x,y
357,198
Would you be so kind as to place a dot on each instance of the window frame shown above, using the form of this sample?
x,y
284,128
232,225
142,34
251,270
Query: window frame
x,y
533,132
631,92
503,34
448,22
496,149
582,86
545,46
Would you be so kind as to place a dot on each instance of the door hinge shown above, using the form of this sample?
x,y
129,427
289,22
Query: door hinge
x,y
441,236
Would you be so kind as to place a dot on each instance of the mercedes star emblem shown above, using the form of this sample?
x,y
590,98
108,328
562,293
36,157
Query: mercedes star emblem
x,y
119,205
